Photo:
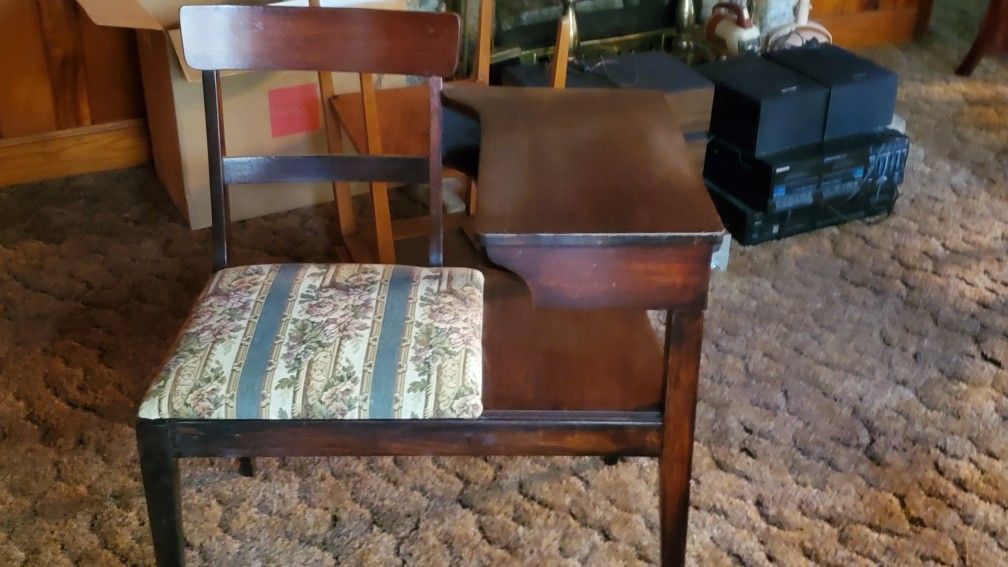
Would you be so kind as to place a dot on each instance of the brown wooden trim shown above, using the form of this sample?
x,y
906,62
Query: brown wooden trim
x,y
74,151
600,275
878,27
495,433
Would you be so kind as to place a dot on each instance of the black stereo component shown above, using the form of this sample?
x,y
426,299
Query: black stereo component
x,y
750,226
777,182
805,189
761,107
862,94
796,177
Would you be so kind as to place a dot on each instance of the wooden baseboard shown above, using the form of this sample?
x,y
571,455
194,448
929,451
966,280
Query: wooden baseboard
x,y
74,151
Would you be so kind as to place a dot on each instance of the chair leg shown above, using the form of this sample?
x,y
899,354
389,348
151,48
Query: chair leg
x,y
992,37
246,467
162,490
977,52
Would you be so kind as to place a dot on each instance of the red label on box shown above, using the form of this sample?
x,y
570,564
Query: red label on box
x,y
294,110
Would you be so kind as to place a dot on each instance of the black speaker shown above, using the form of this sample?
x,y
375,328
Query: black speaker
x,y
862,94
761,107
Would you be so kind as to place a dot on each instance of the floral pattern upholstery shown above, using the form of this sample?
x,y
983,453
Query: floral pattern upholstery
x,y
327,341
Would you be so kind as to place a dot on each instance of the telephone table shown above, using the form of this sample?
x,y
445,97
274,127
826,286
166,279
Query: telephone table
x,y
589,214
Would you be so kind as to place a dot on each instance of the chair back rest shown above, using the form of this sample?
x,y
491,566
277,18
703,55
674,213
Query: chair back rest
x,y
216,38
351,40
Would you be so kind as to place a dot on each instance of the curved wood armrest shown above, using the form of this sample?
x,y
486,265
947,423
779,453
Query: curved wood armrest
x,y
591,277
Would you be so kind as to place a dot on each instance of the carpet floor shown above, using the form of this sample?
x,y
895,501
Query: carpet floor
x,y
853,397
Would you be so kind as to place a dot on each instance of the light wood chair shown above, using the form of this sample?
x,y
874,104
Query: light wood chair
x,y
567,37
393,121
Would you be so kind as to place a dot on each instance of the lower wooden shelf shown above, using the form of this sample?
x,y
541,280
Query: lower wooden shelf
x,y
554,359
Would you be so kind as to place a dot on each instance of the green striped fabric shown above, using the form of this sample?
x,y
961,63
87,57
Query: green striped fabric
x,y
327,341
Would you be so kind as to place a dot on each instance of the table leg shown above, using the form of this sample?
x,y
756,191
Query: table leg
x,y
683,339
992,38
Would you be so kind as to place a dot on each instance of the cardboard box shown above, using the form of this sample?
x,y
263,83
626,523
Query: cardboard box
x,y
264,112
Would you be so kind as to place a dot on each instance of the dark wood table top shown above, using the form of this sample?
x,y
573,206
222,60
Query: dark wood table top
x,y
583,167
588,212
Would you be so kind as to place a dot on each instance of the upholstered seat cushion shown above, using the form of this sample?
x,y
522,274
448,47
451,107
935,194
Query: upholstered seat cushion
x,y
327,341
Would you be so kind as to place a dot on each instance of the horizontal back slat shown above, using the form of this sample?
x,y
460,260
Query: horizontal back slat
x,y
302,169
320,39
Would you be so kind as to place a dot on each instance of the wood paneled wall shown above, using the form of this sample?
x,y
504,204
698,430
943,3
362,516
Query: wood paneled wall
x,y
58,70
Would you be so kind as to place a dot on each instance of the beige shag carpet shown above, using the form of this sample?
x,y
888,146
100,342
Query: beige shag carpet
x,y
853,401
